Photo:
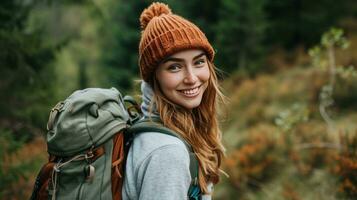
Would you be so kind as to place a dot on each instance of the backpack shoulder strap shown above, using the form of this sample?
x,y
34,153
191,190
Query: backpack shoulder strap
x,y
155,125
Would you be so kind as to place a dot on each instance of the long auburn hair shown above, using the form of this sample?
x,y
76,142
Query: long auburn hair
x,y
199,127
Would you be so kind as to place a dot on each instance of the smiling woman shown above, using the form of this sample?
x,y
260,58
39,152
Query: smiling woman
x,y
180,92
183,77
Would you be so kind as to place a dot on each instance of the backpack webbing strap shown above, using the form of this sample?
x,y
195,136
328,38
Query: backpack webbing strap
x,y
145,125
39,191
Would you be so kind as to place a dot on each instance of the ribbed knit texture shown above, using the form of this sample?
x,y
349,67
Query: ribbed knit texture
x,y
164,34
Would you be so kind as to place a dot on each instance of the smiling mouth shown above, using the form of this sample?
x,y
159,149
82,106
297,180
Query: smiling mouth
x,y
190,92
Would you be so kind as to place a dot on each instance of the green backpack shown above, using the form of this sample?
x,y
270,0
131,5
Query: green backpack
x,y
89,135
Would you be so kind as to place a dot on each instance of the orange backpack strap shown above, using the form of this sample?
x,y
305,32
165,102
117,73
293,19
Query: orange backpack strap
x,y
118,165
41,184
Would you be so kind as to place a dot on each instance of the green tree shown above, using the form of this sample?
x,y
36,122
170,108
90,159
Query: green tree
x,y
26,75
240,32
120,31
301,22
26,92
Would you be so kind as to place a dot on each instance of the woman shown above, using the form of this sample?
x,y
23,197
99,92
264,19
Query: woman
x,y
179,87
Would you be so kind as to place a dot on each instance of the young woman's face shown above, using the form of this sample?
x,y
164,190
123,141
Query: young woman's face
x,y
183,77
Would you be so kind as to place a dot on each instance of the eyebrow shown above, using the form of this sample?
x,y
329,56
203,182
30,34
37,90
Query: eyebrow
x,y
180,59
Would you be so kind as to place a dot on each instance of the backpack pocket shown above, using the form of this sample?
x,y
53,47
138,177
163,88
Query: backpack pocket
x,y
83,179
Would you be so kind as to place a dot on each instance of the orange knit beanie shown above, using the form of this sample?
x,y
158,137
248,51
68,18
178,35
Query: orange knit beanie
x,y
163,34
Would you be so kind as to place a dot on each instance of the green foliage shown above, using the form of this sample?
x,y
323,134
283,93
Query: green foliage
x,y
287,119
10,20
25,74
240,32
26,93
120,32
303,21
334,38
324,57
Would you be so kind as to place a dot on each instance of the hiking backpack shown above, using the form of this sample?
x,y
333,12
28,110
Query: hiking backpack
x,y
89,135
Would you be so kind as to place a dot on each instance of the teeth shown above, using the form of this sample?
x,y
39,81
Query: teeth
x,y
191,91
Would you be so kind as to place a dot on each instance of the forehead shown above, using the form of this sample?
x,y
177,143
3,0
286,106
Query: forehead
x,y
187,54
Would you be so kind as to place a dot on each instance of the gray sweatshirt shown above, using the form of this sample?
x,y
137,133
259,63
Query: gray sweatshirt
x,y
157,166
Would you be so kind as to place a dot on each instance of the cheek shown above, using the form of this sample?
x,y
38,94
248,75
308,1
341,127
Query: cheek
x,y
168,81
204,77
205,74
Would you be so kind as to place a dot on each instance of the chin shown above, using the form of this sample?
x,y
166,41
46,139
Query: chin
x,y
191,105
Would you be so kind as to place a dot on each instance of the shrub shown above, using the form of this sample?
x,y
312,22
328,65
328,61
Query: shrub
x,y
18,163
255,162
346,166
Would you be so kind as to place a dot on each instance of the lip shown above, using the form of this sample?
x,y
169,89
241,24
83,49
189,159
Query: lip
x,y
190,95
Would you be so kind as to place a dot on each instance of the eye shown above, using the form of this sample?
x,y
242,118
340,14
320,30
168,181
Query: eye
x,y
200,62
174,67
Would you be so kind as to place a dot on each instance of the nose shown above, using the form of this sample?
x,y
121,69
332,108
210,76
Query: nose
x,y
190,77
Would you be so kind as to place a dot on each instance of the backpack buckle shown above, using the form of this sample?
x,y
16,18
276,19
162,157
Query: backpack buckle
x,y
133,110
89,155
53,113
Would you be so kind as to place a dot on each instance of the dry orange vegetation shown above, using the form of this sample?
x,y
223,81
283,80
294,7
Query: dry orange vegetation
x,y
23,164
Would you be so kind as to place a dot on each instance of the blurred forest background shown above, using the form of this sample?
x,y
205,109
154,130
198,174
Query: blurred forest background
x,y
290,129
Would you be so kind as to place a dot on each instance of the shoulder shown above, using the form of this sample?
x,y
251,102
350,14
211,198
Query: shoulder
x,y
156,161
156,139
162,146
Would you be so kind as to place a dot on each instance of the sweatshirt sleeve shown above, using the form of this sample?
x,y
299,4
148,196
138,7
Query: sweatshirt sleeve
x,y
165,174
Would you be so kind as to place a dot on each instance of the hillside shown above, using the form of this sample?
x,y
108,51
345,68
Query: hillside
x,y
279,146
